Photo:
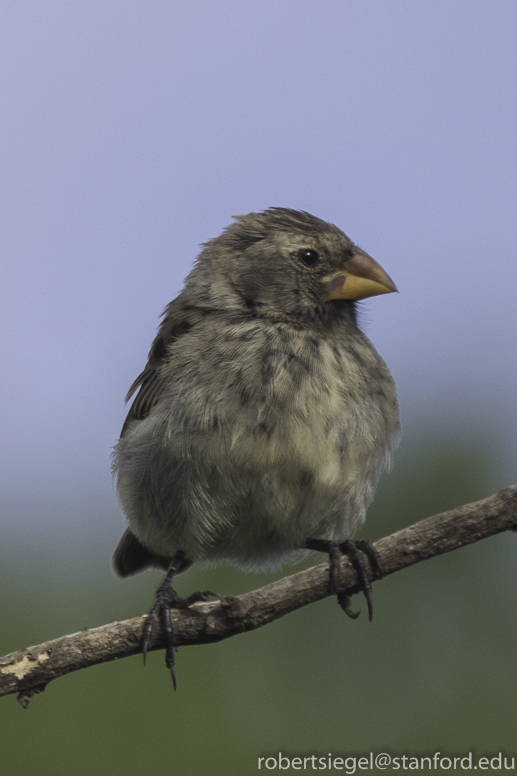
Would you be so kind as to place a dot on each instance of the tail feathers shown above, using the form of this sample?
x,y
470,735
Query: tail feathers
x,y
130,557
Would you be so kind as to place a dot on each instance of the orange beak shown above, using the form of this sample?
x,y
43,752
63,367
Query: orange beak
x,y
360,278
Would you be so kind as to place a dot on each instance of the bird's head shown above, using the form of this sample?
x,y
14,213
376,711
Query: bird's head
x,y
286,264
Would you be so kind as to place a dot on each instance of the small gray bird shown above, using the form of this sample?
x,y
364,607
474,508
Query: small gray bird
x,y
264,417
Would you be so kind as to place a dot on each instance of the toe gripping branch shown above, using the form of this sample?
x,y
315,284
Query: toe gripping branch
x,y
167,599
354,550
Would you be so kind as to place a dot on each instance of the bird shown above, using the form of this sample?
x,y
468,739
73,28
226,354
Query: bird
x,y
264,416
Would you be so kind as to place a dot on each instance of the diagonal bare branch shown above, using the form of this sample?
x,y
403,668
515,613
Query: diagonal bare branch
x,y
29,670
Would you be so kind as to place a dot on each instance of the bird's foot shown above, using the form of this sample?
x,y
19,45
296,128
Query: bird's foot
x,y
354,550
165,600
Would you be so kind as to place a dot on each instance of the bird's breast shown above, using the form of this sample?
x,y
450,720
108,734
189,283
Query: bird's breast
x,y
280,399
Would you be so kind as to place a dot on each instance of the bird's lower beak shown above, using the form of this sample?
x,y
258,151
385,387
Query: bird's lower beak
x,y
360,278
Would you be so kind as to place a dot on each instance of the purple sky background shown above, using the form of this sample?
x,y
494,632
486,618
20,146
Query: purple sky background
x,y
132,131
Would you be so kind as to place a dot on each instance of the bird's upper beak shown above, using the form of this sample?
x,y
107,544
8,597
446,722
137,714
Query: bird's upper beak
x,y
360,277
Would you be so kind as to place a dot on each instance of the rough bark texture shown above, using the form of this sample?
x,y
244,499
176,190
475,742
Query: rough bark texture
x,y
28,671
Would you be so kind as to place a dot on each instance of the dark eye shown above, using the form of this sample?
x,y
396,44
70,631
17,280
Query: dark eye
x,y
308,257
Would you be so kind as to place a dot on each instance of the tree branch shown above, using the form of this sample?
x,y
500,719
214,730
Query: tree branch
x,y
29,670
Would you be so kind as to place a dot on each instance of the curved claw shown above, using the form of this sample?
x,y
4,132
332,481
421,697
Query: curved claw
x,y
344,602
170,663
354,550
166,626
368,595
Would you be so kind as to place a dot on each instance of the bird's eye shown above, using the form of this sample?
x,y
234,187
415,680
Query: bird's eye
x,y
308,257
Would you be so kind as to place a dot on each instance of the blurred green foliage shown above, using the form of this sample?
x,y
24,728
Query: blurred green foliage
x,y
433,672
